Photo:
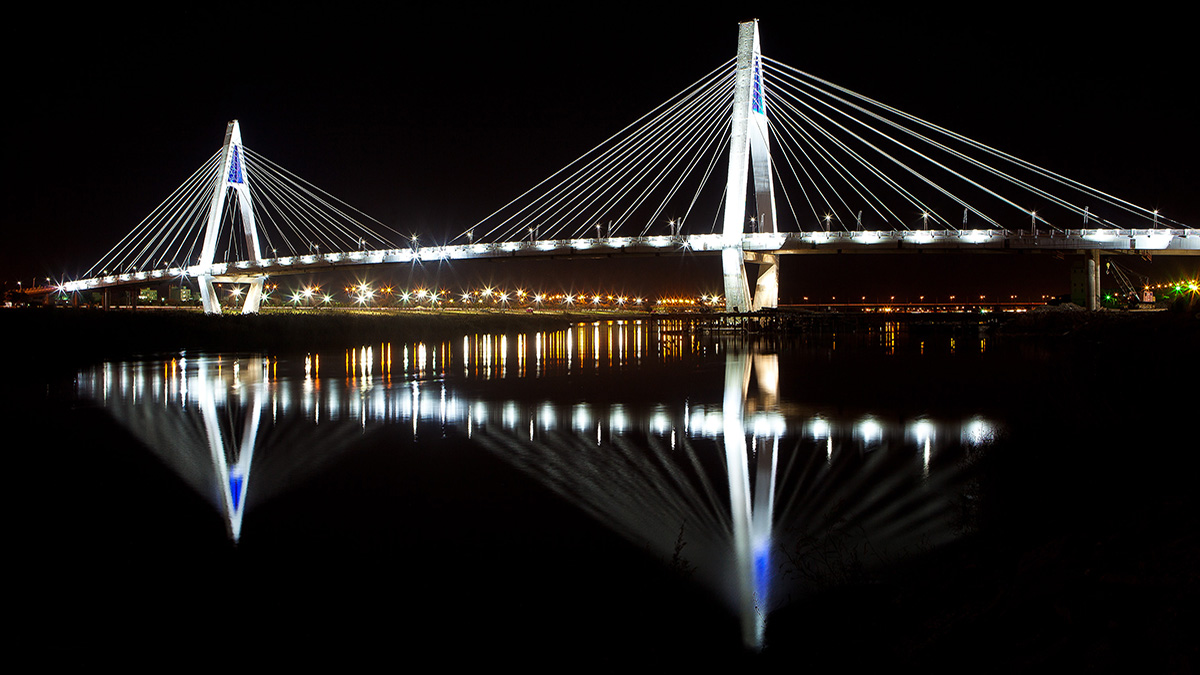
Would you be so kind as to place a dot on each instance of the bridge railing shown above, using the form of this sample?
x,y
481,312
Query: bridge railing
x,y
1184,240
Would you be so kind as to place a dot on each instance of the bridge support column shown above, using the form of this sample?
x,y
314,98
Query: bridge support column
x,y
208,296
253,296
766,286
737,286
1093,280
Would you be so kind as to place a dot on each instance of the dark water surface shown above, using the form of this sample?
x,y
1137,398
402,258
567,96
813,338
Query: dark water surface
x,y
619,494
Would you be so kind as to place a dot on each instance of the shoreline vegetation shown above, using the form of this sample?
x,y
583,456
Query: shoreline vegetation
x,y
81,335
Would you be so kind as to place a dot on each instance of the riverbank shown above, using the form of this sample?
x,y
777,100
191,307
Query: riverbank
x,y
80,335
74,336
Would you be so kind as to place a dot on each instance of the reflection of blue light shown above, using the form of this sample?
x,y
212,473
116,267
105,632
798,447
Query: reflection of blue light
x,y
762,568
235,490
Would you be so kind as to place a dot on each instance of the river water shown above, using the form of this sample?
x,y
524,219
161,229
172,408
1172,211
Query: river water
x,y
614,491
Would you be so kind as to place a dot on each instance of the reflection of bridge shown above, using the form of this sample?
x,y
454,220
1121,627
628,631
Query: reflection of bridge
x,y
838,155
241,430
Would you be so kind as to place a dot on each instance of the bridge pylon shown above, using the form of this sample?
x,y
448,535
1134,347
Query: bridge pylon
x,y
234,175
749,157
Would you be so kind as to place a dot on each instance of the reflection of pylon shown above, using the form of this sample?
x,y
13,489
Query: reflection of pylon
x,y
749,148
750,511
233,174
233,479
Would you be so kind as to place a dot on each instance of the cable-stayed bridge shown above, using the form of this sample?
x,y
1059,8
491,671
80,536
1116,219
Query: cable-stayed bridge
x,y
808,166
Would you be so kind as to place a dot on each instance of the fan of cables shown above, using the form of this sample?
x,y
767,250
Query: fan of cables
x,y
839,154
650,174
292,216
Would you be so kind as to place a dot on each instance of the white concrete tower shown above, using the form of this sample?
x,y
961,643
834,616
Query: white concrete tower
x,y
232,174
749,155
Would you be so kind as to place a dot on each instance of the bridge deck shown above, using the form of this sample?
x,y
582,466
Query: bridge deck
x,y
1160,241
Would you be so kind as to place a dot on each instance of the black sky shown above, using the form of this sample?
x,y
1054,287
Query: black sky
x,y
428,120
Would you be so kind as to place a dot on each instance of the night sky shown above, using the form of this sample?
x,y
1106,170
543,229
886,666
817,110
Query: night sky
x,y
430,120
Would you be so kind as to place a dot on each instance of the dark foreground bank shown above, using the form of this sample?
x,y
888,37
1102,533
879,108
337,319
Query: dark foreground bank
x,y
87,335
82,335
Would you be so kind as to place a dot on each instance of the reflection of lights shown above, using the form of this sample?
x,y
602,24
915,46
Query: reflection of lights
x,y
548,416
451,407
706,423
922,430
660,421
819,428
618,420
581,417
869,431
768,425
508,417
978,432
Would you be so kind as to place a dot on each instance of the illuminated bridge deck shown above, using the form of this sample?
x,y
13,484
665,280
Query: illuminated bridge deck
x,y
1160,241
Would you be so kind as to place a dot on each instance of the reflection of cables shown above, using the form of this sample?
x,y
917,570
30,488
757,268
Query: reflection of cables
x,y
862,507
637,491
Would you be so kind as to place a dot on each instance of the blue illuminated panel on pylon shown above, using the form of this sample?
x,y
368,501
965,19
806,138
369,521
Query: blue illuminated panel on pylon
x,y
756,97
235,167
